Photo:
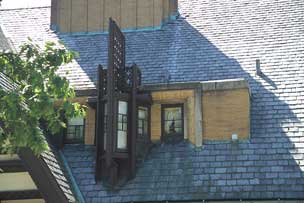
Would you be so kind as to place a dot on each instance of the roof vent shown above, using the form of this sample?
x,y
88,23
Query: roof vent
x,y
258,67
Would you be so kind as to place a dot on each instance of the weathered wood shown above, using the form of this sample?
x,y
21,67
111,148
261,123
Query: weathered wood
x,y
99,125
65,11
144,13
158,12
95,15
112,9
128,14
134,119
79,19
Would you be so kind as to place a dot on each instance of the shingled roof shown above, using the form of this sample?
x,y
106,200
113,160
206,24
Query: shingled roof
x,y
211,40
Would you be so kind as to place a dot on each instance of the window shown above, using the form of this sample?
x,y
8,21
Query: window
x,y
75,130
142,121
122,125
172,123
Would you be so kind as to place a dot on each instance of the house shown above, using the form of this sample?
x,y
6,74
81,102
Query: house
x,y
193,101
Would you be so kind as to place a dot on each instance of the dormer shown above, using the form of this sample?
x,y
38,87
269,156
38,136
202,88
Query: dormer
x,y
89,16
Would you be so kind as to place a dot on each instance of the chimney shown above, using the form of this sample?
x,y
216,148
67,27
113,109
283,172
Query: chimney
x,y
84,16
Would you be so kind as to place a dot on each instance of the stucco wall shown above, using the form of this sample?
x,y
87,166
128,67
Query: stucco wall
x,y
226,112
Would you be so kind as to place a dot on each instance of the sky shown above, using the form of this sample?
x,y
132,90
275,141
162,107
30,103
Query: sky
x,y
11,4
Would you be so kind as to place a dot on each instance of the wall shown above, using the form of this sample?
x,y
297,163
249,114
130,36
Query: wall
x,y
172,97
226,112
93,15
16,182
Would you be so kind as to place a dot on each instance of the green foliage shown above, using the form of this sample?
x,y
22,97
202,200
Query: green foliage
x,y
35,97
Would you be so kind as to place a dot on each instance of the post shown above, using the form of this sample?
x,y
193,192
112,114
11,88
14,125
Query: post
x,y
99,125
133,135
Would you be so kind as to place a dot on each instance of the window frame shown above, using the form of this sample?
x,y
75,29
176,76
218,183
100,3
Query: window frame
x,y
165,106
74,141
116,112
148,136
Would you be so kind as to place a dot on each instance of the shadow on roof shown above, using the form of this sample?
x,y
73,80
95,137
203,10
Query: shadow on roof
x,y
269,166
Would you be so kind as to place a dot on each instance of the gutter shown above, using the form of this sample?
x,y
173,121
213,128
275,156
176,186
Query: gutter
x,y
76,190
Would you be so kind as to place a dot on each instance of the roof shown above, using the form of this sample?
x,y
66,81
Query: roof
x,y
4,42
211,40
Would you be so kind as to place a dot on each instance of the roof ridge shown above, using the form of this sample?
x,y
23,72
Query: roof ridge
x,y
12,9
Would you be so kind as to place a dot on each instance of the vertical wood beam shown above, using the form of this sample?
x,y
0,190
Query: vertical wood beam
x,y
99,125
133,135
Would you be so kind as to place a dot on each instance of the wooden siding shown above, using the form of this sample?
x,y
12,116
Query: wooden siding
x,y
172,97
155,122
93,15
226,112
89,134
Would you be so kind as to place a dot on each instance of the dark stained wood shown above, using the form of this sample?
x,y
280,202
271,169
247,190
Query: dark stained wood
x,y
120,84
86,92
10,166
19,195
99,134
43,178
134,115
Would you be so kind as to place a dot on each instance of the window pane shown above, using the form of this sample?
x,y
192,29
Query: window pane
x,y
178,123
122,107
173,113
122,125
142,121
142,112
76,121
173,120
75,129
122,140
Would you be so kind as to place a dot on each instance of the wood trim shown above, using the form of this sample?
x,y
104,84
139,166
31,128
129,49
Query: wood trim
x,y
163,107
99,134
19,195
134,119
42,176
9,166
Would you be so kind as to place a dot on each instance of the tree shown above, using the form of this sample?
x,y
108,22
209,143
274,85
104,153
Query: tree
x,y
34,98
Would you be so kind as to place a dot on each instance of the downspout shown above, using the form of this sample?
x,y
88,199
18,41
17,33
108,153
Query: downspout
x,y
79,197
